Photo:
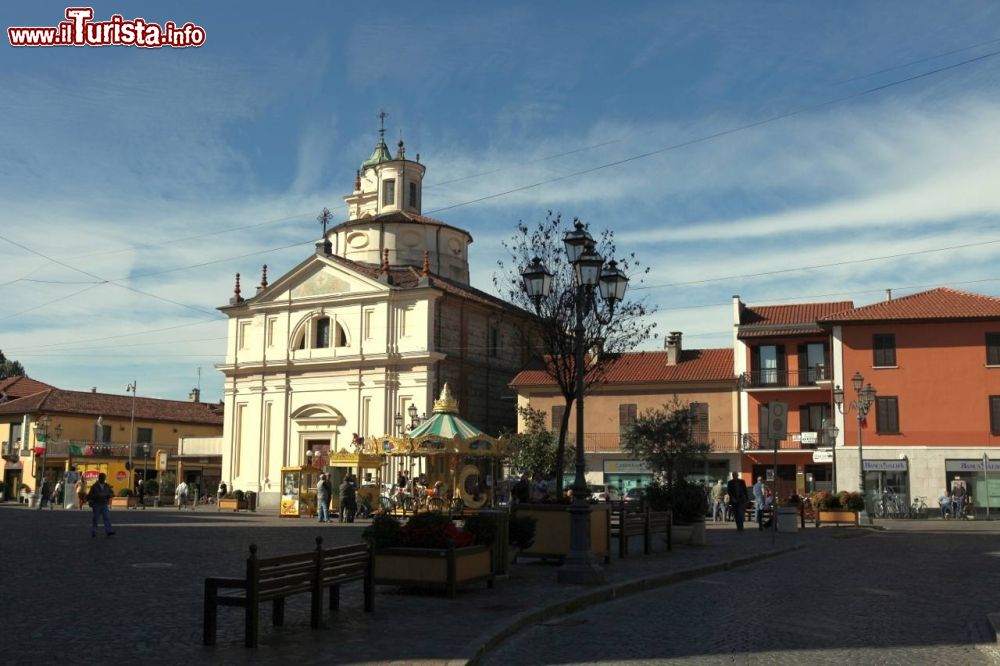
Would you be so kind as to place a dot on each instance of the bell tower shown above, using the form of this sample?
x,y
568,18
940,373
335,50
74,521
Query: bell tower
x,y
386,184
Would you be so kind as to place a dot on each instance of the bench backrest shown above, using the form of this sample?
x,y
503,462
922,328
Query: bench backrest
x,y
344,563
279,575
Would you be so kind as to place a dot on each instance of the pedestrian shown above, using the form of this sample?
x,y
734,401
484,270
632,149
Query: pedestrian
x,y
759,500
959,493
223,490
323,493
348,499
718,495
56,495
402,481
81,492
181,495
140,493
737,489
98,497
44,494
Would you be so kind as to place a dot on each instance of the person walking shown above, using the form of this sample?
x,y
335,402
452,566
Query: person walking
x,y
140,493
718,495
81,492
759,500
223,490
56,495
181,495
737,489
98,497
348,499
323,493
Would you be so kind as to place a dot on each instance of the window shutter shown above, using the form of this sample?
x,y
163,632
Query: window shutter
x,y
993,349
782,366
887,415
762,423
626,415
558,411
804,425
995,414
803,364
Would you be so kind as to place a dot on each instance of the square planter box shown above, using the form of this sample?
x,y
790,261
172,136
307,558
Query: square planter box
x,y
692,534
836,516
433,568
233,505
552,530
124,502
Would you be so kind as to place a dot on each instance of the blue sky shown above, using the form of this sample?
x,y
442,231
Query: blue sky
x,y
111,157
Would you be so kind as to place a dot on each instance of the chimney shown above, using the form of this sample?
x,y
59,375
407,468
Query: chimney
x,y
93,389
194,395
673,347
888,294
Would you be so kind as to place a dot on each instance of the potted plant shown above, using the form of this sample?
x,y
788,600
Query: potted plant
x,y
552,528
689,505
429,551
125,499
830,510
234,501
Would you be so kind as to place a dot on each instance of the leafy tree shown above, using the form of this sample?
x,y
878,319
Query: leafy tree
x,y
10,368
665,439
552,338
534,449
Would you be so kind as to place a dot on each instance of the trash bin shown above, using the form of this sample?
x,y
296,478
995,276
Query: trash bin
x,y
501,548
251,501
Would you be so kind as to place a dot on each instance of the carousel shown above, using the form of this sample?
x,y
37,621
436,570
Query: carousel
x,y
461,463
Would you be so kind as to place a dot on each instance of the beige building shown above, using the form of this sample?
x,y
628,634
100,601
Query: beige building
x,y
634,383
376,321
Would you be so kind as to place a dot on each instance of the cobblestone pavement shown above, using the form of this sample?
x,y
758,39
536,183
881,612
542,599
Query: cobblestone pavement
x,y
138,594
917,593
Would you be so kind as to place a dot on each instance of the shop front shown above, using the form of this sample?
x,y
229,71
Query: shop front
x,y
982,482
627,474
887,478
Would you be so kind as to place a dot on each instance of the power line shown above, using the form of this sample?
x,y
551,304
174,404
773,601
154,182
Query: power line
x,y
715,135
125,335
917,62
54,300
844,262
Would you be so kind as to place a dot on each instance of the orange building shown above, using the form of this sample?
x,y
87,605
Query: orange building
x,y
933,359
782,354
635,382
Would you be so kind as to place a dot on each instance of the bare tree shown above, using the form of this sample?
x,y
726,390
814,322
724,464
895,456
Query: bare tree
x,y
553,342
666,439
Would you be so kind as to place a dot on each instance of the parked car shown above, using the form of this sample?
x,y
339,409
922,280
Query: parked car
x,y
635,495
605,493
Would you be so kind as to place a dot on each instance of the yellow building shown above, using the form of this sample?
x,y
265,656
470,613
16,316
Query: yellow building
x,y
53,429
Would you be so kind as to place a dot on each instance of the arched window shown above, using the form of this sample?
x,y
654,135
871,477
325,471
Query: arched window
x,y
300,340
341,339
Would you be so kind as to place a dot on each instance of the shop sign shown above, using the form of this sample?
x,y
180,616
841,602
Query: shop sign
x,y
90,475
626,467
885,465
121,475
823,456
970,466
806,437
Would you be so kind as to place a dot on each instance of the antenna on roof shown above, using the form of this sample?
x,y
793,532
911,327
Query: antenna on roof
x,y
199,377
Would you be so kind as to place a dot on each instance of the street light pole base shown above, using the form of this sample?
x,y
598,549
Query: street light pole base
x,y
865,518
581,573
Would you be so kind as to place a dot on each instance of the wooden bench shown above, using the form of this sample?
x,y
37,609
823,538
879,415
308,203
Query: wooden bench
x,y
627,522
276,578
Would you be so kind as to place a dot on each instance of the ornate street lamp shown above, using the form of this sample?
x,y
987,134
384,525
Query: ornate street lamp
x,y
830,433
41,427
398,422
131,434
589,271
861,404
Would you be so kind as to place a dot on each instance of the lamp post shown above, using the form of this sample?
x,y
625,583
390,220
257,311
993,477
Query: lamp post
x,y
145,463
590,271
309,457
131,434
830,432
861,404
41,427
398,422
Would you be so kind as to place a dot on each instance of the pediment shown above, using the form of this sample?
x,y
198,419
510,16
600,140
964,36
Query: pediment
x,y
317,279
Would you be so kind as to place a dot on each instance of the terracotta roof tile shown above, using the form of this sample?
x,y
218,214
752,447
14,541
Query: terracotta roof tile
x,y
18,387
651,367
787,320
55,400
940,303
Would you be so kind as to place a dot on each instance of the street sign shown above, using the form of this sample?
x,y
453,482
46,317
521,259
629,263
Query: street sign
x,y
777,419
823,456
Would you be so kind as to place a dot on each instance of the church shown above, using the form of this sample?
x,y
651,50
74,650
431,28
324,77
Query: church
x,y
361,336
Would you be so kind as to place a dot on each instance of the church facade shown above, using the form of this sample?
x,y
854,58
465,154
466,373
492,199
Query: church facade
x,y
345,344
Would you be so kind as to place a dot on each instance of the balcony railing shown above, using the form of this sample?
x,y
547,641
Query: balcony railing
x,y
88,448
774,378
797,441
610,442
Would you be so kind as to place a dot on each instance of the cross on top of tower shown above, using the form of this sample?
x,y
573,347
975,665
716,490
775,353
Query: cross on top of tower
x,y
324,219
381,115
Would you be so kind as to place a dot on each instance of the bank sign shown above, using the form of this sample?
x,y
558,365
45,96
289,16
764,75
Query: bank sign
x,y
885,465
970,466
626,467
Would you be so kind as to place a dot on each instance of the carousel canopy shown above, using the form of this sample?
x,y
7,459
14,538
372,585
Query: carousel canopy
x,y
443,432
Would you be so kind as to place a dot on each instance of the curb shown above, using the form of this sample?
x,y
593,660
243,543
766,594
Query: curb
x,y
480,646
